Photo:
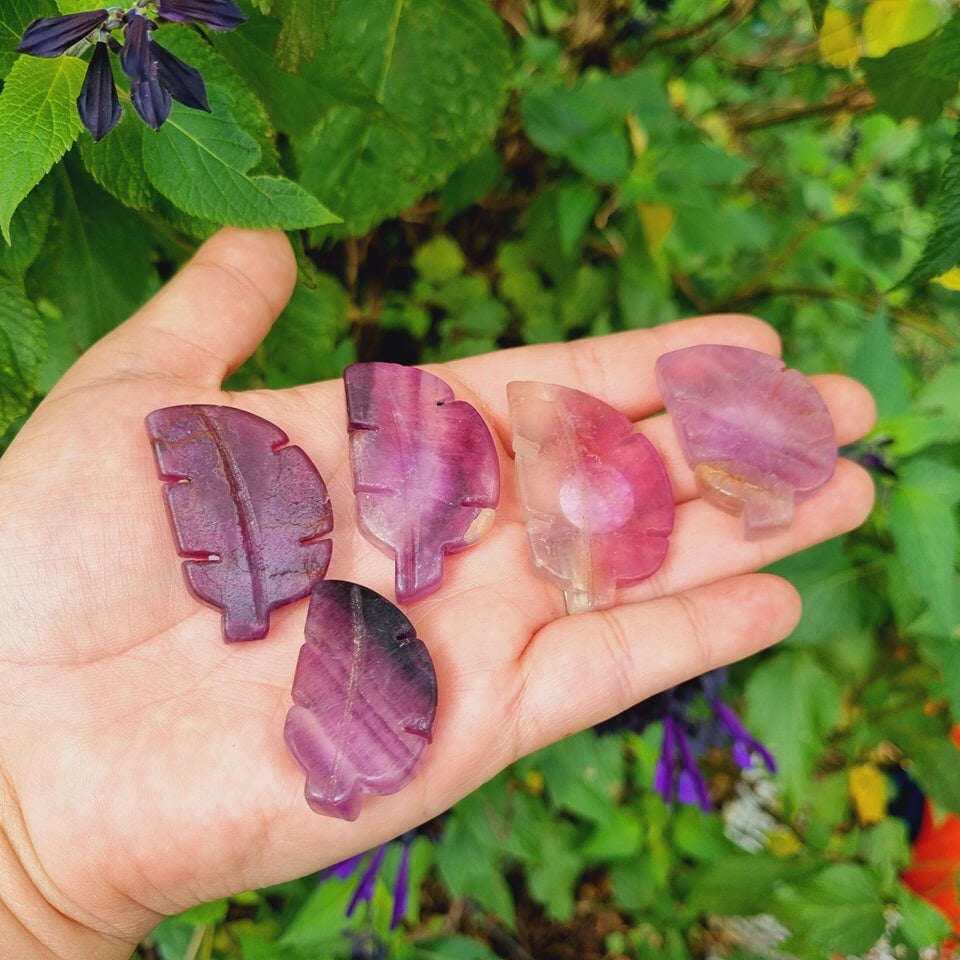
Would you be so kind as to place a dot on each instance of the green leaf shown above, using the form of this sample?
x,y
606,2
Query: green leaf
x,y
467,184
903,87
22,350
439,260
28,230
876,366
305,27
116,163
942,249
944,58
97,267
427,111
838,910
924,530
200,162
817,9
455,948
15,15
551,876
38,124
936,768
740,883
792,702
921,924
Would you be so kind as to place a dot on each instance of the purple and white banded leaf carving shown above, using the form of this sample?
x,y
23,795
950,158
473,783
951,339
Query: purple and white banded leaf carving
x,y
757,435
365,699
425,468
247,509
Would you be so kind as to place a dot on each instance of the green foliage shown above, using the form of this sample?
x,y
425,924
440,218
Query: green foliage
x,y
38,124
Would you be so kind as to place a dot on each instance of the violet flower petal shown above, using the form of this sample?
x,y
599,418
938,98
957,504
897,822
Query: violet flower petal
x,y
344,869
744,745
53,36
401,886
365,699
183,82
98,103
757,436
663,776
251,517
596,497
216,14
425,469
364,891
692,788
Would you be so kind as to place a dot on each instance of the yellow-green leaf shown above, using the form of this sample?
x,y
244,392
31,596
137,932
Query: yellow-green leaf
x,y
896,23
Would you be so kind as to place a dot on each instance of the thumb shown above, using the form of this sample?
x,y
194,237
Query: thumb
x,y
207,320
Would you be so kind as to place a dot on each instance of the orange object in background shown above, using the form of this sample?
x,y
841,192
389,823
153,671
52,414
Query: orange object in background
x,y
934,871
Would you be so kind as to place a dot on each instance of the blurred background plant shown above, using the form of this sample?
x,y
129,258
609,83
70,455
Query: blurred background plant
x,y
516,172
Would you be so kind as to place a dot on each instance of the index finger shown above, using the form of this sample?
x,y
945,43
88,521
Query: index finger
x,y
617,368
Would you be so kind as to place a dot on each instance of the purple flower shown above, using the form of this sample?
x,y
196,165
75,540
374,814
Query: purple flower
x,y
745,747
183,81
54,36
216,14
98,104
677,774
363,893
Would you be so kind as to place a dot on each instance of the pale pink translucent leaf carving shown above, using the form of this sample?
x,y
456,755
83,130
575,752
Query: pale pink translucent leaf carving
x,y
365,699
595,495
757,436
426,473
247,511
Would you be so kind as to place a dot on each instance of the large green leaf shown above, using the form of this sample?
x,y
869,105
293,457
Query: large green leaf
x,y
942,249
200,161
305,26
97,267
14,17
435,74
28,231
38,124
837,911
116,163
792,702
22,349
924,530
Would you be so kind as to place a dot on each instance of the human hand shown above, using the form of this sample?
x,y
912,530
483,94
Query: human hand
x,y
142,761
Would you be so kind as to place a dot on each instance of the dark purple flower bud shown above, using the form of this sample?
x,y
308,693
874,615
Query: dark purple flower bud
x,y
98,104
182,81
344,869
136,55
744,746
401,886
54,36
217,14
364,889
663,777
151,101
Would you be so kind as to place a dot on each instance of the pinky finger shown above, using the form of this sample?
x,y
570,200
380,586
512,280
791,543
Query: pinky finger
x,y
583,669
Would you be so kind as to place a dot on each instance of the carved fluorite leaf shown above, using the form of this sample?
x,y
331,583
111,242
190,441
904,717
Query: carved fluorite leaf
x,y
248,511
425,469
365,699
596,497
757,436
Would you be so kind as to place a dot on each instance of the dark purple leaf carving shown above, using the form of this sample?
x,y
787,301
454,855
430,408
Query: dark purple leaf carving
x,y
426,473
247,510
757,436
365,699
596,497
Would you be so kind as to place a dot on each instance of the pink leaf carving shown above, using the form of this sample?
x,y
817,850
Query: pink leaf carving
x,y
596,497
365,699
426,474
757,436
247,511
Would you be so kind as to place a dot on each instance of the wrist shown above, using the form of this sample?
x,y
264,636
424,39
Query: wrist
x,y
31,927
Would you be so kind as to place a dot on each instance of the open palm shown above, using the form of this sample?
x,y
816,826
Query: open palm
x,y
142,762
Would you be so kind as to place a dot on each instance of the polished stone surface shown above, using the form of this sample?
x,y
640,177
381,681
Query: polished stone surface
x,y
248,511
365,699
426,472
757,436
595,495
